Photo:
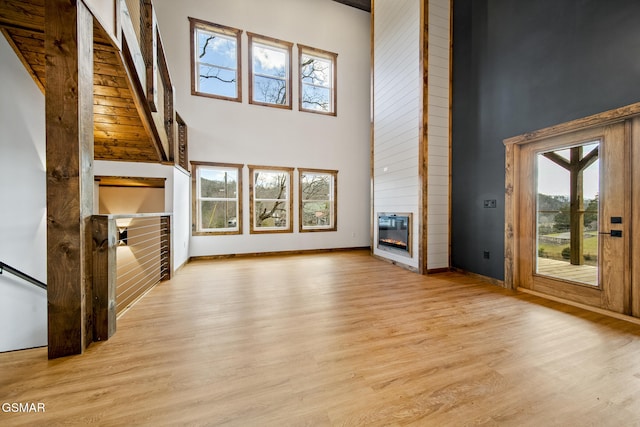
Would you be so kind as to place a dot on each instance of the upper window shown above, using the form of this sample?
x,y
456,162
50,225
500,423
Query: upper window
x,y
217,190
318,189
317,80
215,60
271,201
269,71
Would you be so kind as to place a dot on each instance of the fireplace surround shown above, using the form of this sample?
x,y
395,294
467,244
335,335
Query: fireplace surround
x,y
394,233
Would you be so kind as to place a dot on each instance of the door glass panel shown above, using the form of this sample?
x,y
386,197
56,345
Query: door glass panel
x,y
567,186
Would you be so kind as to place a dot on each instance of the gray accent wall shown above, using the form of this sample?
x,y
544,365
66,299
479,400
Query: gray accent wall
x,y
520,66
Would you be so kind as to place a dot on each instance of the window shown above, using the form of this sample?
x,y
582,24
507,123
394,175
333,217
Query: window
x,y
270,71
317,80
318,189
217,189
271,201
215,61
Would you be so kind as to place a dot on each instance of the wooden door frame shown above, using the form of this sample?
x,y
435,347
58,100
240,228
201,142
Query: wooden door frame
x,y
513,188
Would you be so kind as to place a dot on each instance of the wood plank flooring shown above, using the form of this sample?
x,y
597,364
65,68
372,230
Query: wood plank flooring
x,y
336,339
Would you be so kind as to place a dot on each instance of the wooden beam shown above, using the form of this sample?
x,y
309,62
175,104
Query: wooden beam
x,y
576,207
423,142
149,51
125,181
589,159
104,278
69,152
557,159
634,176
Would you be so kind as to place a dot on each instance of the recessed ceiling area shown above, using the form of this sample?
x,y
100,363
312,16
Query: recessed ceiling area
x,y
359,4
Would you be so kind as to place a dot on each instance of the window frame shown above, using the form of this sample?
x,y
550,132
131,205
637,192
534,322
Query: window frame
x,y
195,190
333,90
253,228
333,225
223,30
269,42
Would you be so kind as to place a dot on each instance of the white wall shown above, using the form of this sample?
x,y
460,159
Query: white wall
x,y
398,116
397,119
116,200
176,197
231,132
181,223
438,185
23,307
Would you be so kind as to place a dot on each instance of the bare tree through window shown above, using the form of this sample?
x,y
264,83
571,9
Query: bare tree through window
x,y
318,200
216,60
270,195
217,198
317,80
270,80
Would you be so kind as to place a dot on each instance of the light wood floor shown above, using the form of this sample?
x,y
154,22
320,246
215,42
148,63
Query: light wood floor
x,y
337,339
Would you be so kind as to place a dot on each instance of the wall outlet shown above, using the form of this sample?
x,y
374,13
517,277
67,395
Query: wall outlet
x,y
486,255
490,203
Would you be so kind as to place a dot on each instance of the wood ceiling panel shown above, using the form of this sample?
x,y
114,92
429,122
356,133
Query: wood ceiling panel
x,y
111,110
116,120
29,47
119,131
115,151
28,14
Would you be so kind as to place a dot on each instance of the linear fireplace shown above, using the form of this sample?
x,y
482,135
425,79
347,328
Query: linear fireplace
x,y
394,232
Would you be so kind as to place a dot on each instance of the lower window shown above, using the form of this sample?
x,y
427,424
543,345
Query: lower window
x,y
318,189
217,190
270,199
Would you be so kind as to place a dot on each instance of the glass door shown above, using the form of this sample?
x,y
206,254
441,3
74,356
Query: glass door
x,y
574,217
568,187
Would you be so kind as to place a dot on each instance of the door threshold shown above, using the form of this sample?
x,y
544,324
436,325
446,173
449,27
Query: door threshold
x,y
602,311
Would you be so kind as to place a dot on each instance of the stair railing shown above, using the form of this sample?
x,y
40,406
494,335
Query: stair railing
x,y
23,276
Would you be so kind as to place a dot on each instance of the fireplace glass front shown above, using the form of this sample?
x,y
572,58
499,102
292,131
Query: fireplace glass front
x,y
394,233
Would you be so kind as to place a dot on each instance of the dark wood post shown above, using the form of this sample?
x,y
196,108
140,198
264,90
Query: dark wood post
x,y
104,277
576,207
69,136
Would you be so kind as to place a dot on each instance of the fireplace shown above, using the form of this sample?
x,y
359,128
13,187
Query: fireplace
x,y
394,232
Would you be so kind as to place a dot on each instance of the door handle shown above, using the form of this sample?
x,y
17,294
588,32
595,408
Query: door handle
x,y
613,233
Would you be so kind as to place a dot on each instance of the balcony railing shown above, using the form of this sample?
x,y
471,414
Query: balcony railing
x,y
131,254
143,39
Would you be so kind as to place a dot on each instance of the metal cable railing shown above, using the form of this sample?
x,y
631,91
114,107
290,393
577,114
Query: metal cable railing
x,y
132,253
139,259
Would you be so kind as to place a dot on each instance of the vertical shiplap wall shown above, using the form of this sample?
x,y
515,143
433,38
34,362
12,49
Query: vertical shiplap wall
x,y
438,183
397,118
397,111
